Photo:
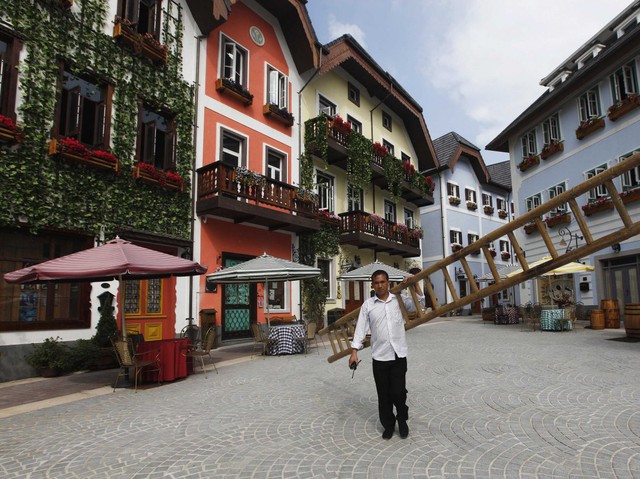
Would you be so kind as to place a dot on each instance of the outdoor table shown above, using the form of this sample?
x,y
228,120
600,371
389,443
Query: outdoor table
x,y
287,339
173,359
554,320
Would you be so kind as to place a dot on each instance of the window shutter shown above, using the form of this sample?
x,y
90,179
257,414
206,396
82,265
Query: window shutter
x,y
4,82
228,59
131,11
169,159
153,20
283,92
629,83
273,87
149,142
72,124
100,122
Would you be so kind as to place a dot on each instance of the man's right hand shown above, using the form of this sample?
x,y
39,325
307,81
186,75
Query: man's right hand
x,y
353,359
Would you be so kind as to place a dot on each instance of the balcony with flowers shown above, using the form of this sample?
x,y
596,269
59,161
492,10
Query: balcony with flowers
x,y
149,174
10,132
328,218
143,44
371,231
245,196
552,148
335,142
589,126
529,162
557,218
70,149
605,203
624,106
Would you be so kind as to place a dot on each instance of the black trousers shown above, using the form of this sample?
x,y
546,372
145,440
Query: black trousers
x,y
392,391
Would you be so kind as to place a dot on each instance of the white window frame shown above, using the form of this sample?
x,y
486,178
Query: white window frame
x,y
599,191
326,194
487,199
589,105
533,201
355,198
390,211
355,124
471,195
455,236
277,88
234,61
551,130
241,155
272,308
331,108
389,146
387,121
409,218
271,171
501,204
472,237
631,179
505,247
453,188
528,143
624,82
330,279
555,191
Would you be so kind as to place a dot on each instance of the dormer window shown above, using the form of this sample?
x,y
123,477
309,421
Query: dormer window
x,y
590,55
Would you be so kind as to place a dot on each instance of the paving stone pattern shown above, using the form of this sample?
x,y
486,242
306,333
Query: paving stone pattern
x,y
485,401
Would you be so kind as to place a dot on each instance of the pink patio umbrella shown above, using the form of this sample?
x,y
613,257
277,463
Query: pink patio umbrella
x,y
116,259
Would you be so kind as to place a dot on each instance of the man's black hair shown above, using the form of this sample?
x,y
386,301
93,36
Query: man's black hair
x,y
380,271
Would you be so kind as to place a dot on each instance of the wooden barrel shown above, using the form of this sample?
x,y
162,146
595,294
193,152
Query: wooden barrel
x,y
632,320
611,313
597,319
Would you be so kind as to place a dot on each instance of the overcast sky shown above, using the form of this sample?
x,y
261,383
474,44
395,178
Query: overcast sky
x,y
473,65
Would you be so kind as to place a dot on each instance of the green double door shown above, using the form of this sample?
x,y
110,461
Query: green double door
x,y
238,305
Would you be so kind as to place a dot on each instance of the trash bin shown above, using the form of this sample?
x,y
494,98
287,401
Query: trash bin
x,y
334,314
208,320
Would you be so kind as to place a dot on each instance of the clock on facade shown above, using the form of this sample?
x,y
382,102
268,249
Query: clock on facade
x,y
256,36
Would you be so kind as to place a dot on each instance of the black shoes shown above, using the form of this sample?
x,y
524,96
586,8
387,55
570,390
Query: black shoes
x,y
403,429
387,434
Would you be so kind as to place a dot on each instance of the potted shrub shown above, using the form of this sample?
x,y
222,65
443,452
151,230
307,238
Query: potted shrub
x,y
50,357
105,330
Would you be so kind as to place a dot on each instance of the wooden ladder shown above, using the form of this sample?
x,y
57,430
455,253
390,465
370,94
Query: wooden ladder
x,y
341,332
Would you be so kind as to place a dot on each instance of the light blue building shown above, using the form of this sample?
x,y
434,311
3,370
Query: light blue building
x,y
471,200
587,121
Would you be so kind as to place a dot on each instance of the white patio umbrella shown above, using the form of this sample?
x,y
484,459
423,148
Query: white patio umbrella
x,y
364,272
569,268
263,269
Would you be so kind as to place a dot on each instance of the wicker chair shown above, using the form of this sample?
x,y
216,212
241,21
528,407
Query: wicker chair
x,y
128,359
203,349
261,341
310,335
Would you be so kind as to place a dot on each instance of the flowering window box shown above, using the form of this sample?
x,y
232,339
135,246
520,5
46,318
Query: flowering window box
x,y
278,114
551,148
454,200
234,90
374,220
502,214
72,150
623,107
10,133
488,210
329,218
505,255
145,45
146,173
557,219
472,205
416,233
605,204
492,252
456,247
530,228
588,127
529,162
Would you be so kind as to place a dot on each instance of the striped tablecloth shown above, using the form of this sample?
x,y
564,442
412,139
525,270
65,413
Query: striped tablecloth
x,y
286,338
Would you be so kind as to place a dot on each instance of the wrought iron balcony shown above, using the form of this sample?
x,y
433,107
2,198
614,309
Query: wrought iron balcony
x,y
246,197
365,231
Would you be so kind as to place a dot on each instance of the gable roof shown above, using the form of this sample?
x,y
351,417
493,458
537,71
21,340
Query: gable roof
x,y
578,79
291,14
347,53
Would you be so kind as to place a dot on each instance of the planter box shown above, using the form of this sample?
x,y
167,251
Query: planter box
x,y
55,149
502,214
488,210
551,149
472,206
274,112
158,179
242,97
505,256
529,162
629,104
592,209
530,228
558,220
586,131
454,201
137,43
8,136
455,248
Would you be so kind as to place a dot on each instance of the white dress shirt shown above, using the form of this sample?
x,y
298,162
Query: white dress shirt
x,y
384,320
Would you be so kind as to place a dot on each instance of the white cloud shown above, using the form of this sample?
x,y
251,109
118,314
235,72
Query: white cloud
x,y
489,55
337,29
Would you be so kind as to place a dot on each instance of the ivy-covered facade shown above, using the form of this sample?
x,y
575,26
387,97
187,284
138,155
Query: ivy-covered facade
x,y
96,136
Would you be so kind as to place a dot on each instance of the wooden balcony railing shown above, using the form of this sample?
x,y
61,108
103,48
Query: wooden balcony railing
x,y
220,179
362,222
